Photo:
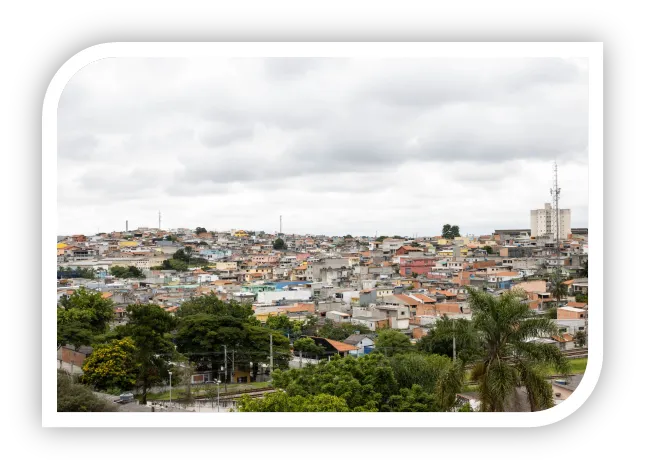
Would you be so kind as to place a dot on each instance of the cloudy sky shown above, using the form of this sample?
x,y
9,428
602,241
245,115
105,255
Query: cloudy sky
x,y
335,146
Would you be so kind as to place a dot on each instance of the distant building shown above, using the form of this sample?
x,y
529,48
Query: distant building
x,y
544,222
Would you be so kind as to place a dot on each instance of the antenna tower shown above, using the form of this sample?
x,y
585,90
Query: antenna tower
x,y
159,219
555,194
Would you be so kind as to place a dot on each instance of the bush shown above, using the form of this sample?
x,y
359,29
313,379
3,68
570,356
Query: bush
x,y
78,398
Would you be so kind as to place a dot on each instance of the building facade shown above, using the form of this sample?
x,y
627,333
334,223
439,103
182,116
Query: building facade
x,y
544,222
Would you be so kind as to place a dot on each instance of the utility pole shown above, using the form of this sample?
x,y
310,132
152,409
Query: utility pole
x,y
271,353
159,219
233,367
454,343
225,370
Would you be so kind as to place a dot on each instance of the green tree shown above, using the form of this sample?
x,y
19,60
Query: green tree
x,y
434,374
580,339
150,328
558,288
335,331
439,339
454,231
81,316
584,272
279,244
391,342
488,249
78,398
199,230
551,313
450,231
308,345
282,402
508,359
207,324
112,365
126,272
365,383
282,323
582,298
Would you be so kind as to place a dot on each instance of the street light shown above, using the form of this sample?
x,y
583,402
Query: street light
x,y
218,383
170,373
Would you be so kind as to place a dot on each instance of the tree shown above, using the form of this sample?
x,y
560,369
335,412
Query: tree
x,y
450,231
282,402
199,230
81,316
508,359
112,366
126,272
582,298
279,244
308,346
439,339
282,323
335,331
558,288
551,313
78,398
580,339
365,383
584,272
150,326
488,249
391,342
207,324
432,373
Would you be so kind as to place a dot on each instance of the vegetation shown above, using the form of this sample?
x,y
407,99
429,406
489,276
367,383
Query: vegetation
x,y
207,324
439,339
335,331
581,298
112,366
81,316
308,346
580,339
450,231
391,342
558,288
199,230
488,249
507,360
282,402
126,272
370,383
279,244
79,272
78,398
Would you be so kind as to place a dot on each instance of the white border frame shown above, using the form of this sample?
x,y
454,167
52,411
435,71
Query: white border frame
x,y
593,51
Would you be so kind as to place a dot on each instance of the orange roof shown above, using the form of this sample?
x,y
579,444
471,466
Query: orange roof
x,y
568,282
576,304
406,299
425,299
106,294
303,307
341,346
506,274
446,293
563,338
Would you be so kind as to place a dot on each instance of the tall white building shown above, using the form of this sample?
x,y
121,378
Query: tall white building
x,y
544,222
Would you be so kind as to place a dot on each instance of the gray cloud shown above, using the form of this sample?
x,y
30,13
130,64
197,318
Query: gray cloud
x,y
311,134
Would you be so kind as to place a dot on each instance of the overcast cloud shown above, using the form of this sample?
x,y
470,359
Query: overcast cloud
x,y
335,146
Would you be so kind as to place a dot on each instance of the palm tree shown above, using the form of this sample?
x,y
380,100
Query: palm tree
x,y
508,360
558,288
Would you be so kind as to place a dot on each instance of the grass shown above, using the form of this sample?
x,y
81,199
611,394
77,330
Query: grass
x,y
200,390
578,367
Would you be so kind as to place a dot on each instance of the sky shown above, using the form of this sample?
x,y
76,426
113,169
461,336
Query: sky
x,y
334,145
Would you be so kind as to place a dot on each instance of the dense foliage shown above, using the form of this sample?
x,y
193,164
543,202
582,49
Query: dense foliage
x,y
336,331
112,366
78,398
126,272
81,316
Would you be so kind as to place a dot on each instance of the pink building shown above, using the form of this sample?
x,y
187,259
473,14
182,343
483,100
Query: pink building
x,y
421,266
301,256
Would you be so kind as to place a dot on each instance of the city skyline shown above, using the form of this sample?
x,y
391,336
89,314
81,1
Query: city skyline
x,y
334,145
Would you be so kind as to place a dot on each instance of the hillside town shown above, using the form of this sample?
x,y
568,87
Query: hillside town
x,y
360,284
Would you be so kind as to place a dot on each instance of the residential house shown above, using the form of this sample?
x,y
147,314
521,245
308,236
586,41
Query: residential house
x,y
362,342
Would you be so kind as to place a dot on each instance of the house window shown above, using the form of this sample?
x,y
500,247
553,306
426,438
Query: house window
x,y
581,328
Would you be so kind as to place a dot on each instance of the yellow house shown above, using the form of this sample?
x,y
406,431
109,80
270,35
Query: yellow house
x,y
240,234
128,244
264,315
443,241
